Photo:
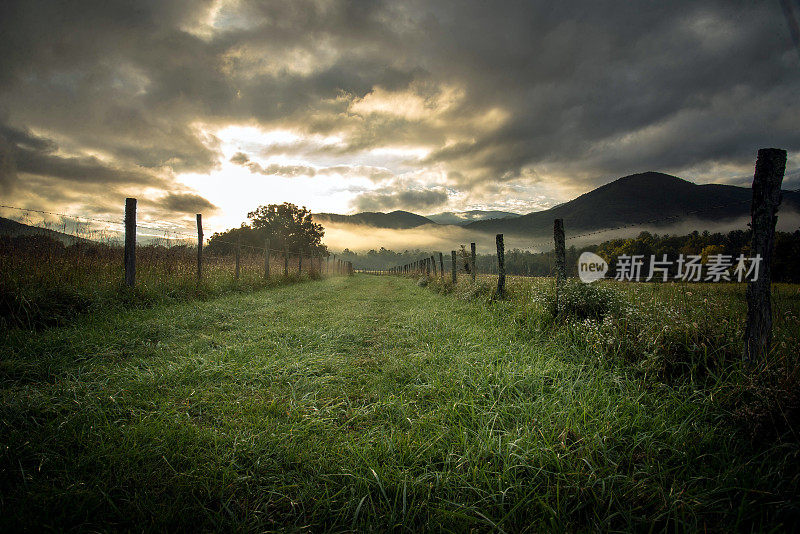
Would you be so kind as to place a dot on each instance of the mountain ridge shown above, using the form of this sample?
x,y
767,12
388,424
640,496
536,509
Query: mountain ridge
x,y
638,199
641,198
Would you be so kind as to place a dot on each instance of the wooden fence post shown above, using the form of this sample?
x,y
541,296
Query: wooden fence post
x,y
454,267
441,265
501,267
238,254
560,253
199,247
433,265
473,266
561,262
300,262
427,268
130,242
285,260
266,259
770,167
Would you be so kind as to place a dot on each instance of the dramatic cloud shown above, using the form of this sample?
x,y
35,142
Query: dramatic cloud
x,y
375,174
388,199
514,105
187,203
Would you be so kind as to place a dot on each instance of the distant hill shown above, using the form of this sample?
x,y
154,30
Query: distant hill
x,y
637,199
398,220
16,229
465,217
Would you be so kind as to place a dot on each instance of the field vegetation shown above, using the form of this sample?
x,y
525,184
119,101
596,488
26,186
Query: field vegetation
x,y
44,282
373,403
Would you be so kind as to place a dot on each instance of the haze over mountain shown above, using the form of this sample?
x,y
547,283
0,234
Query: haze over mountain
x,y
465,217
651,198
395,220
399,219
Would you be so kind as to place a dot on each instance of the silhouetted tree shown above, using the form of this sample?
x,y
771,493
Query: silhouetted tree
x,y
286,225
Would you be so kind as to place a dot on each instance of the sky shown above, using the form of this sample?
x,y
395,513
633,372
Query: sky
x,y
219,106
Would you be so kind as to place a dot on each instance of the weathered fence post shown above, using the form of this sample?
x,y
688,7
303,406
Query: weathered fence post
x,y
285,260
266,259
238,255
454,267
199,247
473,267
560,253
427,268
130,242
501,267
770,167
561,262
433,265
300,262
441,265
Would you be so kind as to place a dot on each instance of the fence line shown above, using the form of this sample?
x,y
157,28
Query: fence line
x,y
769,172
318,262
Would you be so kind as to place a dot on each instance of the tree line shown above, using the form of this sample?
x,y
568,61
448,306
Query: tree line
x,y
785,262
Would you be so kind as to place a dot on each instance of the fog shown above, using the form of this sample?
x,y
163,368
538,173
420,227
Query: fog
x,y
360,238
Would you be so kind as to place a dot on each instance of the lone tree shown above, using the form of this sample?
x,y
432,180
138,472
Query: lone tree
x,y
285,225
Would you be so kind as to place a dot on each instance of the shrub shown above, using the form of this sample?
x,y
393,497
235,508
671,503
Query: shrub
x,y
585,301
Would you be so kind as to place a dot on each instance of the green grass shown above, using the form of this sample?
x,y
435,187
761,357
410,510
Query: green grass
x,y
51,285
365,403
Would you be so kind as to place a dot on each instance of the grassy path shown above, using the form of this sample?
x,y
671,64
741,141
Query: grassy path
x,y
364,403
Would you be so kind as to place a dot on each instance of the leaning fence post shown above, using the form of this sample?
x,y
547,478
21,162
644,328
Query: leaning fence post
x,y
266,259
472,261
199,247
130,242
453,266
238,254
770,167
501,267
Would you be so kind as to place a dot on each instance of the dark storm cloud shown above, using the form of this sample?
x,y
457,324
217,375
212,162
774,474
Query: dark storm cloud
x,y
187,203
23,152
581,91
390,199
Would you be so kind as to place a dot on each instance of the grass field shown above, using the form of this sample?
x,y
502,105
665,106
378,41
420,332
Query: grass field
x,y
371,403
43,283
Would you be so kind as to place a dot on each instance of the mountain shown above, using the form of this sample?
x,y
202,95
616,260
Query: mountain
x,y
16,229
398,220
649,197
465,217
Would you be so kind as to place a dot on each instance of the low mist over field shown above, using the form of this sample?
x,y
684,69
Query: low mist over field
x,y
360,238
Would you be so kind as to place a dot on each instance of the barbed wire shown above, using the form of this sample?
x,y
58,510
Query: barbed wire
x,y
539,244
159,230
